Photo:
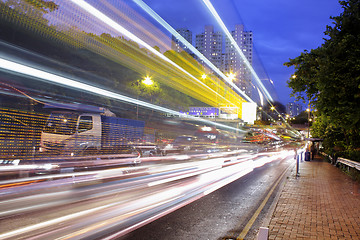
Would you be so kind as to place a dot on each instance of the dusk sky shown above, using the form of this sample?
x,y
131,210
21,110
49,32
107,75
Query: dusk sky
x,y
282,29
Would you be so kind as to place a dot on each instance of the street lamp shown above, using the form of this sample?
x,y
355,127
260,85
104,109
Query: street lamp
x,y
147,81
203,77
231,76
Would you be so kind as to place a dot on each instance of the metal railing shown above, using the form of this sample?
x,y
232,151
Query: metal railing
x,y
348,163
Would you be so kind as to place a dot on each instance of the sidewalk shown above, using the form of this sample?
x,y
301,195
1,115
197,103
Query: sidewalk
x,y
323,203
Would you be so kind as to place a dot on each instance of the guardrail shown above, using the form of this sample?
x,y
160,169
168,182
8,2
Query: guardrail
x,y
329,157
349,163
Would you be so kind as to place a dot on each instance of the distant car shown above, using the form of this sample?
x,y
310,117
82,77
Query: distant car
x,y
180,144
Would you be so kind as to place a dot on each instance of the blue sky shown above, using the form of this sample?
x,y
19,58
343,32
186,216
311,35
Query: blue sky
x,y
282,28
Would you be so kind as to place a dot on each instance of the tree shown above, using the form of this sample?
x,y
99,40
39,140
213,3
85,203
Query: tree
x,y
34,9
329,77
302,118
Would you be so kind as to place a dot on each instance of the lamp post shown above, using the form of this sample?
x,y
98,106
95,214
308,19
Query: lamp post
x,y
260,113
308,110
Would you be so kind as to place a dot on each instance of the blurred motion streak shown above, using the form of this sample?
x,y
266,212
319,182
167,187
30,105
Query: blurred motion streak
x,y
178,71
23,69
115,201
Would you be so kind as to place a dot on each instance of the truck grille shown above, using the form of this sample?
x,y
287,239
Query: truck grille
x,y
51,146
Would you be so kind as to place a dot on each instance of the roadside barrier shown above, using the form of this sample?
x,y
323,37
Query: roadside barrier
x,y
344,162
349,163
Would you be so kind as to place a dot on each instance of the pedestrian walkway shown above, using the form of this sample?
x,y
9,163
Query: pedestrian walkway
x,y
322,203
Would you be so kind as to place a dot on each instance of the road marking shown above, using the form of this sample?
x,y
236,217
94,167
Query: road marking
x,y
256,214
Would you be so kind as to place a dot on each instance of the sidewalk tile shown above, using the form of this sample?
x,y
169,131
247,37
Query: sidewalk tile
x,y
323,203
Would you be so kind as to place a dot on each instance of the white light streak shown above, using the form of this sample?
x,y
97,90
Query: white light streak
x,y
52,222
261,97
50,77
20,68
233,42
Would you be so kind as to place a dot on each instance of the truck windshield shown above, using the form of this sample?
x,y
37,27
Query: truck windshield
x,y
61,123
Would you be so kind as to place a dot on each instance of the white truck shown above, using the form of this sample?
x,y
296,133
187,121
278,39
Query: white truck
x,y
79,130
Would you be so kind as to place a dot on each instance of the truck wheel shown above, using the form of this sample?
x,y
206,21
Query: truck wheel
x,y
137,159
137,152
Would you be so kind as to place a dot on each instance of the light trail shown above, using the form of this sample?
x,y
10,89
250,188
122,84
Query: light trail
x,y
126,204
154,15
233,42
111,23
50,77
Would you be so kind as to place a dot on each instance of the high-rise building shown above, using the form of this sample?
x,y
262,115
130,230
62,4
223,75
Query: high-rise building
x,y
224,56
178,46
210,43
293,109
234,63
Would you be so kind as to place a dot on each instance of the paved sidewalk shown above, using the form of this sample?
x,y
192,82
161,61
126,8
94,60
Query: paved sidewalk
x,y
323,203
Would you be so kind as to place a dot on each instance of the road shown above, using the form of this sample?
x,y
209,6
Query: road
x,y
222,214
115,202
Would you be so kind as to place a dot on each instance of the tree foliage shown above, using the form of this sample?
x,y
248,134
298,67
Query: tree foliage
x,y
329,77
25,19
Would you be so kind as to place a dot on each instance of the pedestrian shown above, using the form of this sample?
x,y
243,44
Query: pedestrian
x,y
313,151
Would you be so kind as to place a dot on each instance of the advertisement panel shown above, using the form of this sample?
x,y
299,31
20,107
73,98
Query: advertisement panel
x,y
249,112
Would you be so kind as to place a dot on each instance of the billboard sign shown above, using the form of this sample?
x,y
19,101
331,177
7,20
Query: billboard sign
x,y
203,111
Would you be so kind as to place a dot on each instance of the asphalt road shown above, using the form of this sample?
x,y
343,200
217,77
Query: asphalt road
x,y
224,213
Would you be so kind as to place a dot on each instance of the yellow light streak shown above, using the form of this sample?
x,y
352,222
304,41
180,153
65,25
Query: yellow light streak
x,y
178,74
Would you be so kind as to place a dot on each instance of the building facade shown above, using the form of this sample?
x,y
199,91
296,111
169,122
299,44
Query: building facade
x,y
222,53
210,44
177,45
234,63
293,109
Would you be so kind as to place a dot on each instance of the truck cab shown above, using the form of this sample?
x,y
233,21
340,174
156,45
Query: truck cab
x,y
71,133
